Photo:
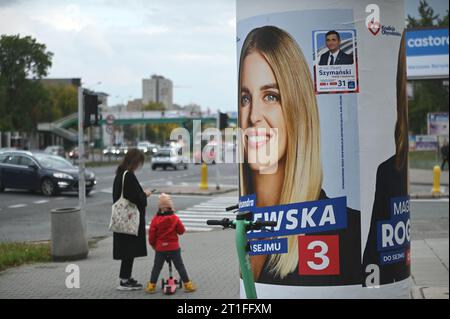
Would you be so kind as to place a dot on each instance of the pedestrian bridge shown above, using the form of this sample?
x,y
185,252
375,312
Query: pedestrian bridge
x,y
64,126
159,117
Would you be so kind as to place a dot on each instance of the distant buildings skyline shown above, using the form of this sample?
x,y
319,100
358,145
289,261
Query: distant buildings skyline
x,y
157,89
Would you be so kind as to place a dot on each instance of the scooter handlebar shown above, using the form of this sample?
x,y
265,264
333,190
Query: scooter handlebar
x,y
214,222
223,222
232,207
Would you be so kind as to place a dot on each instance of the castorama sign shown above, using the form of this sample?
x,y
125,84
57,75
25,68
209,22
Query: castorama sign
x,y
427,53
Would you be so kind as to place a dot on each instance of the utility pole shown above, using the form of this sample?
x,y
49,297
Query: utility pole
x,y
81,163
217,152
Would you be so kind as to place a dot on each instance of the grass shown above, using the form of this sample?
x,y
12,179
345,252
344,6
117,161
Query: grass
x,y
16,254
423,159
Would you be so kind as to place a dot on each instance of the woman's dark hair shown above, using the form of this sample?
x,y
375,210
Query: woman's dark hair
x,y
132,160
401,127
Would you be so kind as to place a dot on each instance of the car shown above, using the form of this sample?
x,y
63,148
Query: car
x,y
42,172
111,151
74,154
7,149
55,150
122,151
169,157
147,148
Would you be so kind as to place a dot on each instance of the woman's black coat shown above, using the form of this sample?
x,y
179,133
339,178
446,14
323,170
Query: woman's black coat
x,y
391,182
130,246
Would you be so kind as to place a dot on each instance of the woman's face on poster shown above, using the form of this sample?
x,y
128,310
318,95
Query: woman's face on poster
x,y
261,115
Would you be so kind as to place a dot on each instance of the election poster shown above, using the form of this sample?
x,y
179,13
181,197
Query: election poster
x,y
335,72
322,106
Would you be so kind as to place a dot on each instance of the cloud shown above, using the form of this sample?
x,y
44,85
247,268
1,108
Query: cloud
x,y
203,58
192,43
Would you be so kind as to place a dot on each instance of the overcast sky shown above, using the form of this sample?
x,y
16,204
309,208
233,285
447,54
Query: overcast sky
x,y
119,43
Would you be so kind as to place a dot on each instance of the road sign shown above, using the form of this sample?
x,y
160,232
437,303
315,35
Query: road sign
x,y
109,129
110,120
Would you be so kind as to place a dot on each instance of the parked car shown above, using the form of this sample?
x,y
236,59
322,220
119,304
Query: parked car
x,y
6,149
55,150
147,147
169,157
35,171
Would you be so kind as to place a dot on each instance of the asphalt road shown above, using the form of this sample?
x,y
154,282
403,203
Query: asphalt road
x,y
25,216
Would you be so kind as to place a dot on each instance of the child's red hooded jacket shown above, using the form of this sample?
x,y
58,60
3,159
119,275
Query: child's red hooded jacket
x,y
164,230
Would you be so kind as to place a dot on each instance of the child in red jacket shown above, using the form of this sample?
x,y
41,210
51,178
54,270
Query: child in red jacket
x,y
163,237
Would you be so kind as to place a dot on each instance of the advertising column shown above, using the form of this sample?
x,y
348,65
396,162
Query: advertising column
x,y
323,111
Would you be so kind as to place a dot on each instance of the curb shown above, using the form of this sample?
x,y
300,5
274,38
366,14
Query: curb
x,y
202,193
428,196
427,184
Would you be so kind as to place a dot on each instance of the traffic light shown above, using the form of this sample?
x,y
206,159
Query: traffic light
x,y
223,120
91,104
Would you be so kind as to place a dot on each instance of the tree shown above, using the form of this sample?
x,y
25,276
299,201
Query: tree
x,y
63,101
154,106
427,16
443,22
22,61
429,95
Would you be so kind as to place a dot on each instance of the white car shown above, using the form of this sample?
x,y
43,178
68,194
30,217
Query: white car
x,y
169,157
147,148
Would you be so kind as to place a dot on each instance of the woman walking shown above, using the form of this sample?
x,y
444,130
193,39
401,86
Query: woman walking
x,y
127,247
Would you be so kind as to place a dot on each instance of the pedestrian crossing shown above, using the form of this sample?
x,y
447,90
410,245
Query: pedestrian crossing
x,y
194,217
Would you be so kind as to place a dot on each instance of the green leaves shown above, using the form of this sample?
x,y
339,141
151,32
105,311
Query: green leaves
x,y
154,106
22,62
429,95
427,17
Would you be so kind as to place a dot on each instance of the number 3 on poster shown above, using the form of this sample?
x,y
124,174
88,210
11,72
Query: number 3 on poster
x,y
318,255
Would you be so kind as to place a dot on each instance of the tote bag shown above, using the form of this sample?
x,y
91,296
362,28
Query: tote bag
x,y
124,215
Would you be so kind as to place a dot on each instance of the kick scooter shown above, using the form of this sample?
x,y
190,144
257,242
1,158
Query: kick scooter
x,y
171,284
242,224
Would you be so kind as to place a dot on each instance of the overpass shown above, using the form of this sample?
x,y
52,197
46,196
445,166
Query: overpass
x,y
157,117
63,127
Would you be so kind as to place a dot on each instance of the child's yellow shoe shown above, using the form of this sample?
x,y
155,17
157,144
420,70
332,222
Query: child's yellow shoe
x,y
151,288
189,286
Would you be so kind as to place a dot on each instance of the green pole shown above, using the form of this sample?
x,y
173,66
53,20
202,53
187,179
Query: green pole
x,y
244,259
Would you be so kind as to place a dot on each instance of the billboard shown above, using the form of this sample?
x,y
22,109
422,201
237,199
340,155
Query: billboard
x,y
427,53
437,124
323,111
426,143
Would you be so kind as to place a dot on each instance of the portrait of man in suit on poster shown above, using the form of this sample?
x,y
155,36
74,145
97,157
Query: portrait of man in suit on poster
x,y
334,55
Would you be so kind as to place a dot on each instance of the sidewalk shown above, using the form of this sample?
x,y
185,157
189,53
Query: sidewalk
x,y
429,268
425,177
420,177
211,261
209,258
421,184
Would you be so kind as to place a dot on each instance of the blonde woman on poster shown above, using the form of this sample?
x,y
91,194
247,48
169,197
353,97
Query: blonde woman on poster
x,y
277,101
